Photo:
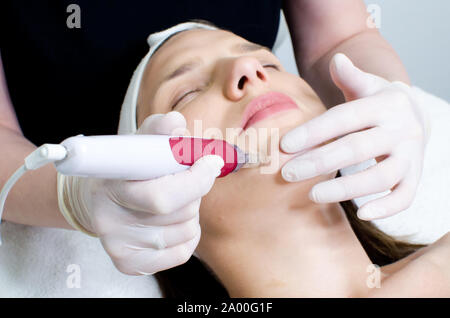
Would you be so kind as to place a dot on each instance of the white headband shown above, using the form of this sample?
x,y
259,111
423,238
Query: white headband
x,y
127,123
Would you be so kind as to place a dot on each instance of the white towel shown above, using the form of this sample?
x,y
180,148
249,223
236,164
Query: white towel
x,y
34,262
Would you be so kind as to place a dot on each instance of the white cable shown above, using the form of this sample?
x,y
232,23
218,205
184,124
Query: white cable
x,y
7,187
43,155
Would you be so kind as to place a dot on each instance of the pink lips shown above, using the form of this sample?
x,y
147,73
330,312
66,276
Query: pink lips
x,y
265,106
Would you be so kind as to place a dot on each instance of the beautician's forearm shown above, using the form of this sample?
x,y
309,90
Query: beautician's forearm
x,y
368,50
33,199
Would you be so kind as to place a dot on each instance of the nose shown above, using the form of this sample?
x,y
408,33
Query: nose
x,y
244,74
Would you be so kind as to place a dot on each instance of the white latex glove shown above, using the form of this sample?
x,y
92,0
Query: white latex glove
x,y
145,226
380,119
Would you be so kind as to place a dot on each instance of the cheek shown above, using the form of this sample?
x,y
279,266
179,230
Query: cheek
x,y
216,216
150,103
206,117
248,203
300,90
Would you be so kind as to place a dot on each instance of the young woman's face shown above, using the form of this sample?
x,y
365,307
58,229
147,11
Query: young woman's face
x,y
211,77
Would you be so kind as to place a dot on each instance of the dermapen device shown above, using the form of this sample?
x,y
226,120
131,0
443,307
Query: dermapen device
x,y
128,157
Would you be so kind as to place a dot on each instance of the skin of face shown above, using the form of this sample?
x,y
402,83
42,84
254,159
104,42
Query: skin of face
x,y
244,205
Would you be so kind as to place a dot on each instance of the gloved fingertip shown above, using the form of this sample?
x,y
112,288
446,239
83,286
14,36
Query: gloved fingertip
x,y
148,123
287,145
214,163
319,193
174,124
175,116
341,60
369,213
288,174
295,140
341,68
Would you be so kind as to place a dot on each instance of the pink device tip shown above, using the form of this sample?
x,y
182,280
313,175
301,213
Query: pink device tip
x,y
187,150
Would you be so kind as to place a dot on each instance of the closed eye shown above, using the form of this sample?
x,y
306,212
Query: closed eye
x,y
274,66
184,96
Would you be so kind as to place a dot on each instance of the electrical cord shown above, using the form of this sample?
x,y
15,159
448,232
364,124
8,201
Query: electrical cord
x,y
45,154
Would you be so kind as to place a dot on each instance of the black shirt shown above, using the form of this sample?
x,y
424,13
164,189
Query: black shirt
x,y
68,81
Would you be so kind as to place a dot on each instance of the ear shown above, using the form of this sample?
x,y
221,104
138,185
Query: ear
x,y
353,82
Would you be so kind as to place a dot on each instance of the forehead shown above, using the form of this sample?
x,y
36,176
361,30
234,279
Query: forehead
x,y
187,45
190,41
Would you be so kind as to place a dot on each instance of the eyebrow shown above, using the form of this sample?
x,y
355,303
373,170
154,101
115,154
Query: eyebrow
x,y
182,69
245,47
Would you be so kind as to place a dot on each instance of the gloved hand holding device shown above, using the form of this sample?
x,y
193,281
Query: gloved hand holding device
x,y
144,226
380,119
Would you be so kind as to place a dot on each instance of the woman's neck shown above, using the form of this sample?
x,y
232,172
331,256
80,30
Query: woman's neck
x,y
304,251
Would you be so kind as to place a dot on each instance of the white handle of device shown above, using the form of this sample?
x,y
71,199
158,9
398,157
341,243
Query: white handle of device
x,y
130,157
